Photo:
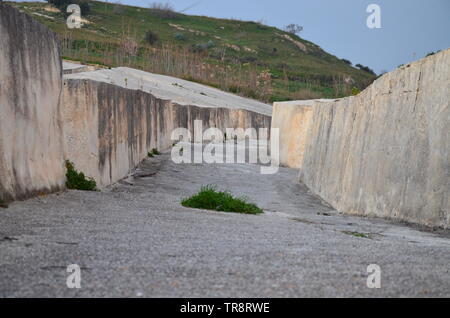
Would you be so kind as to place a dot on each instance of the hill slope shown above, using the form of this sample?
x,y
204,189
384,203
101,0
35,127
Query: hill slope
x,y
247,58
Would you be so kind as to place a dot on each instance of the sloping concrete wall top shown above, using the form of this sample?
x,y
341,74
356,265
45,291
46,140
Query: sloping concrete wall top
x,y
31,135
170,88
72,68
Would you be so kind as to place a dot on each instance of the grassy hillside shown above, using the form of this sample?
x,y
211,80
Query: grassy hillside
x,y
247,58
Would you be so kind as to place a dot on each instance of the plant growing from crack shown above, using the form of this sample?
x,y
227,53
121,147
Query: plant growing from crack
x,y
155,152
357,234
209,198
77,180
3,204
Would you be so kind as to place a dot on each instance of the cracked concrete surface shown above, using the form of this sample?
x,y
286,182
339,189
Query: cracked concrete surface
x,y
135,239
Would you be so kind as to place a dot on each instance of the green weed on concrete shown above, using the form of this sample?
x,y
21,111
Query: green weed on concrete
x,y
209,198
155,152
357,234
3,204
77,180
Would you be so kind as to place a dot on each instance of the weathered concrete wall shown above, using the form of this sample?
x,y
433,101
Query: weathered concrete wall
x,y
293,119
386,152
110,129
31,139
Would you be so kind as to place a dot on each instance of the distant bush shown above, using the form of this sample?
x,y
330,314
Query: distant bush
x,y
77,180
250,93
60,3
355,91
151,37
365,69
163,10
199,47
261,26
180,37
248,59
346,61
234,89
432,53
63,4
293,28
84,6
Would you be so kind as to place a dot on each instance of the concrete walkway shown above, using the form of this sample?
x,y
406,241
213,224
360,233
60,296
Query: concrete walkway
x,y
135,240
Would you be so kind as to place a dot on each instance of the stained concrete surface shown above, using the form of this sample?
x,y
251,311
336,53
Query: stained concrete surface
x,y
136,240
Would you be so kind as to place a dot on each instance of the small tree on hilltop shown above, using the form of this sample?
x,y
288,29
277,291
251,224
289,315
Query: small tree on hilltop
x,y
163,10
293,28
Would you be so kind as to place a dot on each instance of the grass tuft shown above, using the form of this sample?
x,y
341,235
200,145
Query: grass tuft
x,y
155,152
209,198
77,180
357,234
3,204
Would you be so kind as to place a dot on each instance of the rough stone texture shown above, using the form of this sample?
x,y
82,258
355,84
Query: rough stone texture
x,y
31,139
110,129
385,152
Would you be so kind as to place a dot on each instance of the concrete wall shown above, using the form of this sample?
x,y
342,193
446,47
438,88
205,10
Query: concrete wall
x,y
385,152
31,139
293,119
110,129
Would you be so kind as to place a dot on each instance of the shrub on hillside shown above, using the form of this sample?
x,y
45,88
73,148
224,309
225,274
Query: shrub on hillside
x,y
151,37
63,4
365,69
293,28
346,61
180,37
84,6
59,3
355,91
163,10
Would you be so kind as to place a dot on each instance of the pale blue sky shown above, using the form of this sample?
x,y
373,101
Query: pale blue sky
x,y
410,28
